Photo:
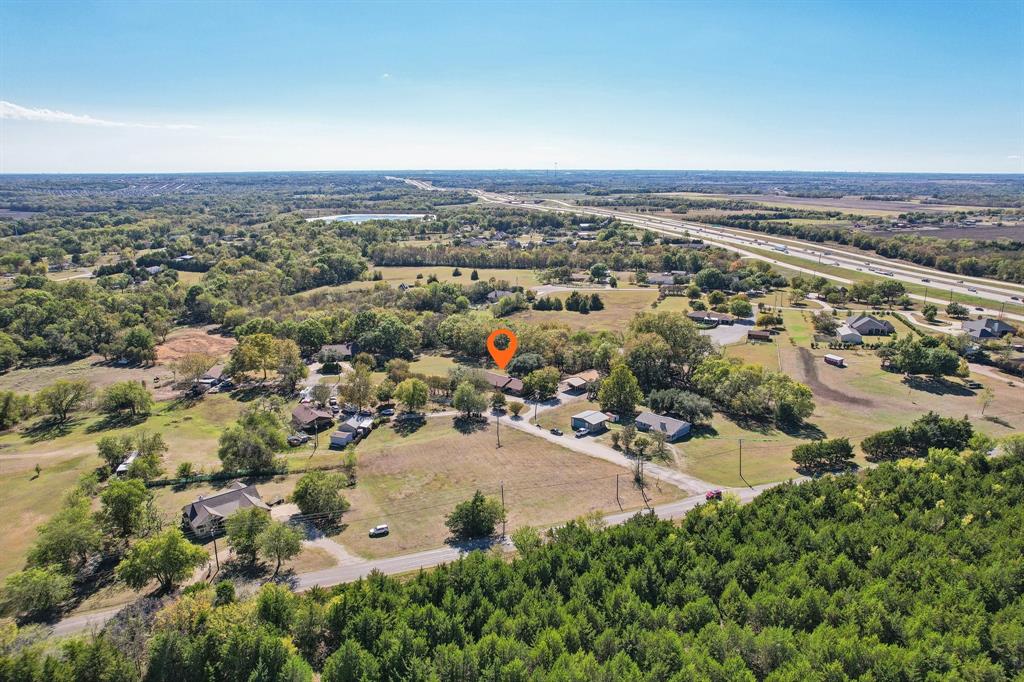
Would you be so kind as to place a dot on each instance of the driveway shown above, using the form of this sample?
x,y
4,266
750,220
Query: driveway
x,y
727,334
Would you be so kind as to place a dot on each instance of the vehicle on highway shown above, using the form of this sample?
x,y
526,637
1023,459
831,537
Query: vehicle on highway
x,y
556,432
972,290
1015,298
712,495
979,308
925,279
959,281
581,432
379,531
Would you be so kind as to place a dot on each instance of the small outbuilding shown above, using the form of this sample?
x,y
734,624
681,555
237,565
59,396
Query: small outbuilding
x,y
591,420
759,335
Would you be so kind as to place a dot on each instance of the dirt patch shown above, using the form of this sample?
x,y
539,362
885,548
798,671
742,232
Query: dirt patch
x,y
193,340
809,368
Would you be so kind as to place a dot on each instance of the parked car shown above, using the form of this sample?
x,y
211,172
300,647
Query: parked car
x,y
581,432
379,531
974,384
387,412
973,290
297,439
713,495
979,308
556,432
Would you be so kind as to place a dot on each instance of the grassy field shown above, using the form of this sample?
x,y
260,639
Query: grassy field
x,y
191,433
432,365
412,482
619,308
407,275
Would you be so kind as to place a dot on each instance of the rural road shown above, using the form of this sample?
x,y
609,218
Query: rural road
x,y
411,562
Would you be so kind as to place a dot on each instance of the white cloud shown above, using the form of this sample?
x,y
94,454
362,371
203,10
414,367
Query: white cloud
x,y
16,112
1013,157
385,76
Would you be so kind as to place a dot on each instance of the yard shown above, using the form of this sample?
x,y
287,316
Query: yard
x,y
191,433
412,482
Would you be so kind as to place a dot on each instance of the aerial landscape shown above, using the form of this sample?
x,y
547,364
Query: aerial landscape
x,y
385,359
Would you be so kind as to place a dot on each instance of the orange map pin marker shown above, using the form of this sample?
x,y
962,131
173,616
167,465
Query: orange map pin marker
x,y
501,356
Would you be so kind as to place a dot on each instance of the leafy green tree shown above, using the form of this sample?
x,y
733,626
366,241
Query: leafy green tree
x,y
468,400
475,518
357,386
542,384
318,495
740,307
124,505
819,455
166,557
930,312
385,391
68,538
620,392
126,396
63,397
413,393
321,393
10,353
280,542
515,407
252,442
254,353
956,310
243,529
36,591
290,367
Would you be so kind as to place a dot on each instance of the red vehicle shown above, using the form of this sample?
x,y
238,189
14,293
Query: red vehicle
x,y
713,495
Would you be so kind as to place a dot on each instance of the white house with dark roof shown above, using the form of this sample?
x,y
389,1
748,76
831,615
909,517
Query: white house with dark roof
x,y
206,515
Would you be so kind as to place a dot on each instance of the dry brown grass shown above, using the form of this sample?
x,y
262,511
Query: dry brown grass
x,y
413,485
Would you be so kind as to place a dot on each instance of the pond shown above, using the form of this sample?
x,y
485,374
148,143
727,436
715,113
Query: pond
x,y
364,217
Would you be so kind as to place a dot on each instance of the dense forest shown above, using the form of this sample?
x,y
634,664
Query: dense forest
x,y
909,571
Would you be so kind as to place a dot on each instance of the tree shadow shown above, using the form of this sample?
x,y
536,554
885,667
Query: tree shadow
x,y
116,421
803,430
468,425
818,472
703,431
997,420
936,386
48,429
408,424
248,393
465,545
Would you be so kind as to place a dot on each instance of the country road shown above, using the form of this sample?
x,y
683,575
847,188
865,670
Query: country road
x,y
407,563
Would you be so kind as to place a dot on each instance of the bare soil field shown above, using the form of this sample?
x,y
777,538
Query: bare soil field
x,y
1014,232
193,340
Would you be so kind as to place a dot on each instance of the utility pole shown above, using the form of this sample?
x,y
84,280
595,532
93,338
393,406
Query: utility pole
x,y
617,500
215,557
497,427
926,295
502,510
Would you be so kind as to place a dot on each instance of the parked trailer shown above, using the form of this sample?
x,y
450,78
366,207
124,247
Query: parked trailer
x,y
835,360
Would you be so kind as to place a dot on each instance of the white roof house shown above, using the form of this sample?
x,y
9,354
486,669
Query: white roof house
x,y
591,420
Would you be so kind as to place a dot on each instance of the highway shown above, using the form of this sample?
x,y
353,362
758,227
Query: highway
x,y
820,260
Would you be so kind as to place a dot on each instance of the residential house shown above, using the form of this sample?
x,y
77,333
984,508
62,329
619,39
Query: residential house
x,y
672,428
498,294
711,317
206,515
336,351
307,417
352,429
759,335
504,383
987,328
591,420
868,325
581,381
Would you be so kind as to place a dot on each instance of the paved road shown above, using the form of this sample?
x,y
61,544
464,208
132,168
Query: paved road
x,y
1000,292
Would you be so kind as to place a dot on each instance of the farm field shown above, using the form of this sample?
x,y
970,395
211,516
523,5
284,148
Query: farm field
x,y
412,482
850,204
619,308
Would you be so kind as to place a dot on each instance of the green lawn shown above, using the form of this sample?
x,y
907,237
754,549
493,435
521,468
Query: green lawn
x,y
619,308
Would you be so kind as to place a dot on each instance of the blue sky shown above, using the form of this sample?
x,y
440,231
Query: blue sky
x,y
190,86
